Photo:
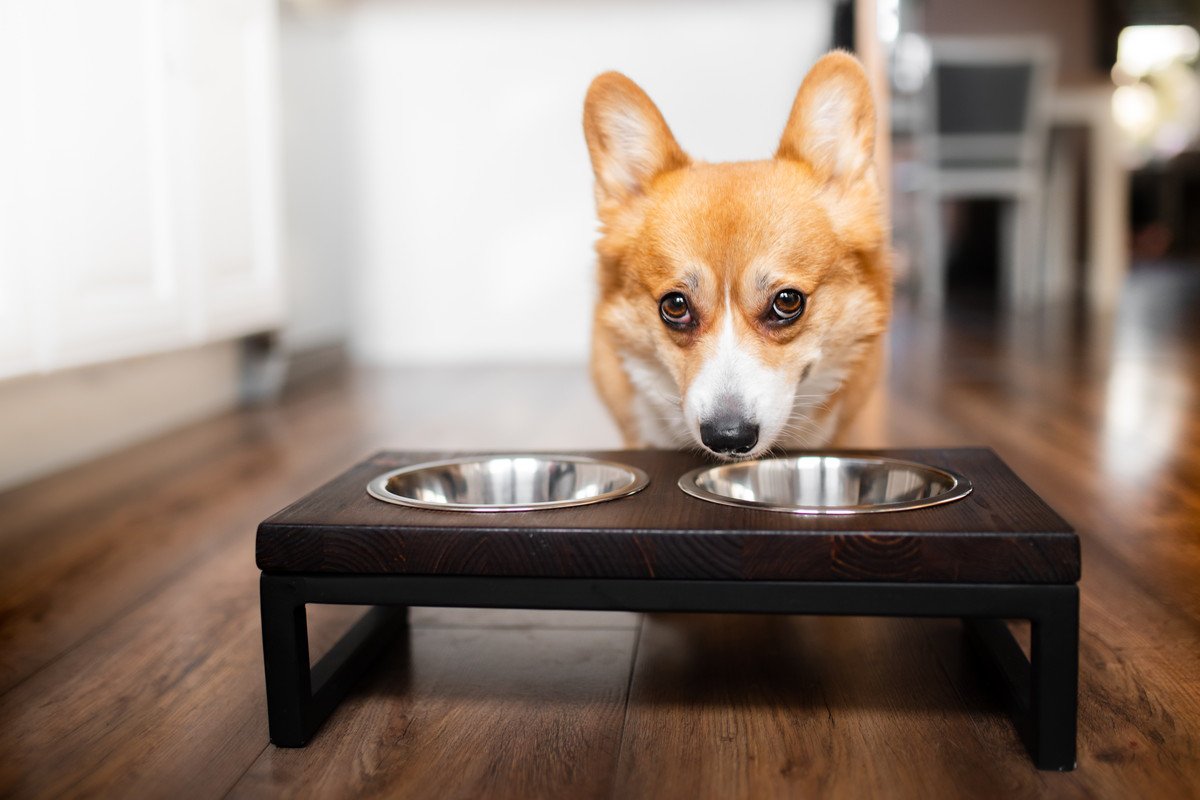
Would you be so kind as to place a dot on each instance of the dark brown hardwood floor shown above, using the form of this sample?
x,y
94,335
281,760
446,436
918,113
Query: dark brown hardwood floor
x,y
130,661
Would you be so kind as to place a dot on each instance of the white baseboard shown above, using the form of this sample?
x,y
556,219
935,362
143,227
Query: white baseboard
x,y
54,421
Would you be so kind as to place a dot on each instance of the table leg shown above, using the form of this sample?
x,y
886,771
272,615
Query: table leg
x,y
299,698
1055,665
1042,693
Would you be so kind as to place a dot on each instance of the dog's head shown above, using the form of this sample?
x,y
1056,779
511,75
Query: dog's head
x,y
754,285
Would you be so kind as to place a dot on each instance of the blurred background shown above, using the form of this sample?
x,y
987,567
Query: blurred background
x,y
204,202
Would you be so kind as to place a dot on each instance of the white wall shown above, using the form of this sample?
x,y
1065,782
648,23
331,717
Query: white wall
x,y
470,202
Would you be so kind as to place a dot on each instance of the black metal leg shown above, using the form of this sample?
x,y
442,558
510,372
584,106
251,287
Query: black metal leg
x,y
1055,667
285,660
1042,693
299,698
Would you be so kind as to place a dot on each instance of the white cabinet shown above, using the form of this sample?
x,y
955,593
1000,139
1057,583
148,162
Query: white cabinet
x,y
224,102
16,343
16,340
137,139
95,237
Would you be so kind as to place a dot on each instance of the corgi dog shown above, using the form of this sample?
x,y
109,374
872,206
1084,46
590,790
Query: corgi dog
x,y
742,306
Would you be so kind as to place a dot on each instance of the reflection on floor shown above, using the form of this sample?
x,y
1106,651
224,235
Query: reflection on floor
x,y
130,661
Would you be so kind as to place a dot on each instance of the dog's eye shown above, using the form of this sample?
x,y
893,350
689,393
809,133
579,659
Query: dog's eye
x,y
788,305
675,310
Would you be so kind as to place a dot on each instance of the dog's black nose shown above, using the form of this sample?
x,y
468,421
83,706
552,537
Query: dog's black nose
x,y
731,435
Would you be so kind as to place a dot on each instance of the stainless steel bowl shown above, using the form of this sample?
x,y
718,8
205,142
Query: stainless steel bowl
x,y
818,484
512,482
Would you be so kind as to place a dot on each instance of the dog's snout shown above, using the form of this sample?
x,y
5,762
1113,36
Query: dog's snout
x,y
729,434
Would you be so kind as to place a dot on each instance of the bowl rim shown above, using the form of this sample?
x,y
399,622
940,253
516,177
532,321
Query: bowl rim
x,y
378,486
960,486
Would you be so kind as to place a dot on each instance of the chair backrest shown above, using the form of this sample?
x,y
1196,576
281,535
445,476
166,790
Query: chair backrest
x,y
985,104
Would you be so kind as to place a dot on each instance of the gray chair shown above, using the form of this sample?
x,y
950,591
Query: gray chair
x,y
983,133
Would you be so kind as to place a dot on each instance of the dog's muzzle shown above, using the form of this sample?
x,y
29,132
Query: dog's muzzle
x,y
729,434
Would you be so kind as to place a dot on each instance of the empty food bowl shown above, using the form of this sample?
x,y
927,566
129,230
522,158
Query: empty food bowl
x,y
514,482
826,484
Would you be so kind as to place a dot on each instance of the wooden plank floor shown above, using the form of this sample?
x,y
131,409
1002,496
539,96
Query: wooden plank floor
x,y
130,663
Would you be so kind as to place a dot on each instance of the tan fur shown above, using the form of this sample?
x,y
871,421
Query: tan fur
x,y
731,235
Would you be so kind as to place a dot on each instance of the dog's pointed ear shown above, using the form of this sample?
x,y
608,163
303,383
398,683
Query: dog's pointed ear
x,y
832,124
628,139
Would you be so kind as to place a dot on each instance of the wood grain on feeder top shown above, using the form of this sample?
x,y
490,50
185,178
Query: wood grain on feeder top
x,y
1001,533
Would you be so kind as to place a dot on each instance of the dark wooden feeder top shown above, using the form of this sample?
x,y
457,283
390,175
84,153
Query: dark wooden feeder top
x,y
1001,533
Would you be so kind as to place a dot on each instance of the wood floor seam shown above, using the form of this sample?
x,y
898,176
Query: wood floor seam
x,y
637,640
249,766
